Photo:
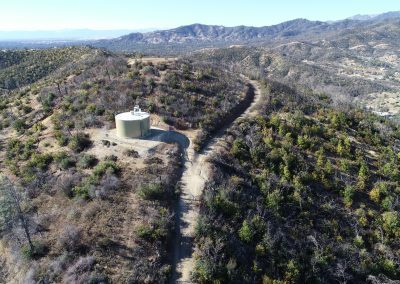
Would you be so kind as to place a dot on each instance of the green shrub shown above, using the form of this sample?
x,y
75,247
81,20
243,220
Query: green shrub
x,y
222,204
239,149
100,111
387,203
391,222
86,85
37,127
61,138
358,241
82,190
19,125
245,232
348,195
91,108
64,161
152,191
39,250
148,70
105,166
87,161
273,199
85,189
14,149
40,161
151,232
145,232
389,267
363,175
79,142
292,272
26,109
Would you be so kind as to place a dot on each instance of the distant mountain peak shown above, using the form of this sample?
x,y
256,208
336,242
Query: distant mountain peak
x,y
384,16
360,17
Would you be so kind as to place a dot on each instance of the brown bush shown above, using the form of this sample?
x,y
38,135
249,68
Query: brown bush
x,y
66,182
79,272
70,238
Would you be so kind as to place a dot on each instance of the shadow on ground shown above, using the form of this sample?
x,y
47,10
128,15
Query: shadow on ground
x,y
168,136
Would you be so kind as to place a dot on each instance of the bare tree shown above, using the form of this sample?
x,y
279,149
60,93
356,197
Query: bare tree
x,y
58,83
12,213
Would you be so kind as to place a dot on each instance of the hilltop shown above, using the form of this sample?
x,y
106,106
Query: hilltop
x,y
97,208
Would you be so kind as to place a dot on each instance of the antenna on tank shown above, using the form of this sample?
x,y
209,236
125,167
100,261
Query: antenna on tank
x,y
136,109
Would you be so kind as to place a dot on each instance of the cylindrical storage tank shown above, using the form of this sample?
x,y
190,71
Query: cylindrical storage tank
x,y
133,124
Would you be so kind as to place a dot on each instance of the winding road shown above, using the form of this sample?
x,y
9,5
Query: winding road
x,y
194,177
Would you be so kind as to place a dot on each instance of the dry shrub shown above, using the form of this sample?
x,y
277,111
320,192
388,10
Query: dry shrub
x,y
58,266
131,153
79,272
43,221
70,238
66,182
109,183
91,210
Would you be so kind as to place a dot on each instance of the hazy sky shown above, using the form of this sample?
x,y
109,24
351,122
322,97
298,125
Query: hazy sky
x,y
132,14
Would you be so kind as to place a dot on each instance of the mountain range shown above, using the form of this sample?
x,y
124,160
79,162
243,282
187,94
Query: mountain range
x,y
200,33
199,36
384,16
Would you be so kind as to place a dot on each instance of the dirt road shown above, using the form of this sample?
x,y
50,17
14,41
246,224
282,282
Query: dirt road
x,y
195,175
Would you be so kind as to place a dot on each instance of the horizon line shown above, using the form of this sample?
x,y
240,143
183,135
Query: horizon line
x,y
153,29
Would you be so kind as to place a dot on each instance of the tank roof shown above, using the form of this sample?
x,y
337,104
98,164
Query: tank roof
x,y
132,115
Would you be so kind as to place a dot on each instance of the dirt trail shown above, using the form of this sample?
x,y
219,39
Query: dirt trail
x,y
196,173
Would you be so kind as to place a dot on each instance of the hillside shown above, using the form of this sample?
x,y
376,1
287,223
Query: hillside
x,y
20,68
303,193
352,61
92,208
359,66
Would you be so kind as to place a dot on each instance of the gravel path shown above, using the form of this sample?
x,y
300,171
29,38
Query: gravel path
x,y
195,174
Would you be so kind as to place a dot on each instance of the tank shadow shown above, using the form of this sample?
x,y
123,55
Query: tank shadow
x,y
168,136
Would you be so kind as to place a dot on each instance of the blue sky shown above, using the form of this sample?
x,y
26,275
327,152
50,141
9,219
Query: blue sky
x,y
142,14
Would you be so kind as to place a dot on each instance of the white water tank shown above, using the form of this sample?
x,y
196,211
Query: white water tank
x,y
133,124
